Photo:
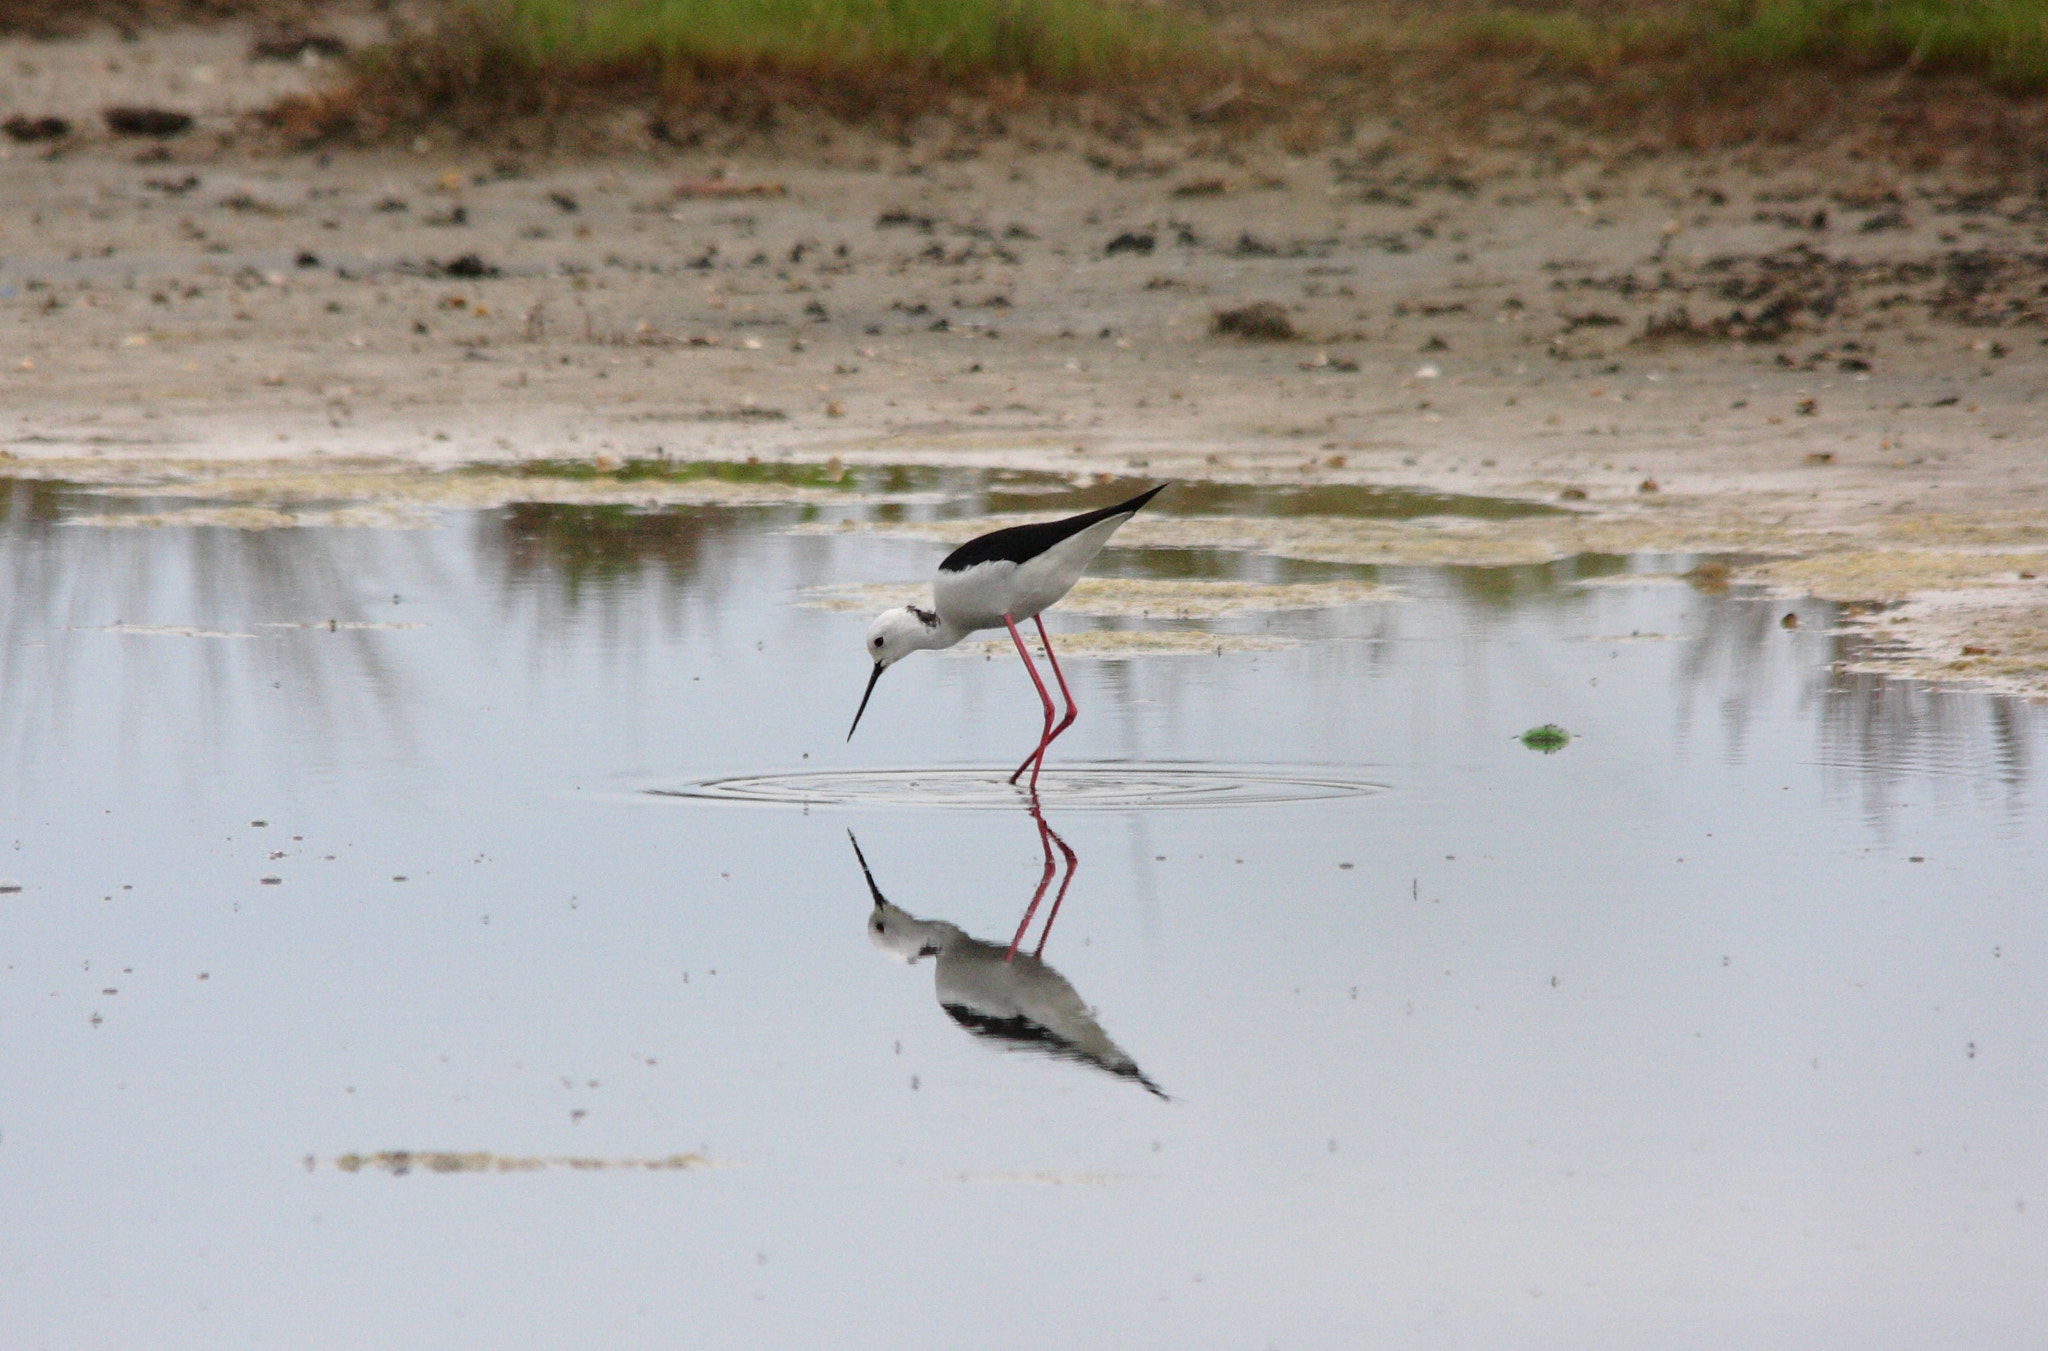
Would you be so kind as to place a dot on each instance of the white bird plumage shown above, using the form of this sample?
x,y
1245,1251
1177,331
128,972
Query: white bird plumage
x,y
995,581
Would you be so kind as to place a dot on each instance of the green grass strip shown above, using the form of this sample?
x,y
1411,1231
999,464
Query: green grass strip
x,y
2005,41
1049,41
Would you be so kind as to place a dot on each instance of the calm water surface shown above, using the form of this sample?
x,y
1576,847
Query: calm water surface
x,y
1720,1027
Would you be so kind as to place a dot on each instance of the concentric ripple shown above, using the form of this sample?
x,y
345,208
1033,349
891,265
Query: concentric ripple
x,y
1111,787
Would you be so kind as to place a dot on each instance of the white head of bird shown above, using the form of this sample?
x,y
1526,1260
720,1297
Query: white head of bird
x,y
896,634
902,934
898,932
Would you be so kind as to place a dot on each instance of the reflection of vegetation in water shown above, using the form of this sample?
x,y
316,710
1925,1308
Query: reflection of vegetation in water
x,y
639,576
1739,655
1739,652
31,502
578,545
60,586
1888,730
641,571
1504,588
1883,730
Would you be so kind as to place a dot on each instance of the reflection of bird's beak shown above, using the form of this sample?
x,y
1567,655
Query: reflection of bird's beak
x,y
873,890
879,668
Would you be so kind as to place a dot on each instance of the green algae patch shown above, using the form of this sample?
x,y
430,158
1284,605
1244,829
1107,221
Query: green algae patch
x,y
1320,539
1423,541
1130,644
1549,738
1132,598
283,494
655,470
1176,599
1139,598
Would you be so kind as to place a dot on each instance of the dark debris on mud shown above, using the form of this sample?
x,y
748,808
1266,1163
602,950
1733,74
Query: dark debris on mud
x,y
1770,297
1262,320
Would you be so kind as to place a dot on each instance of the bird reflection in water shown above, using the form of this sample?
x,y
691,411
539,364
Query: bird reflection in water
x,y
998,992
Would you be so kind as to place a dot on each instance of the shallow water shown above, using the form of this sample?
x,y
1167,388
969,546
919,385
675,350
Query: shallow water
x,y
1720,1026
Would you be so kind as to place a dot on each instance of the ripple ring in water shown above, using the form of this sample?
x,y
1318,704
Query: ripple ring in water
x,y
1111,787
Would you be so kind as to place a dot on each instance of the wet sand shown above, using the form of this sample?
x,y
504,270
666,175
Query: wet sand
x,y
1829,367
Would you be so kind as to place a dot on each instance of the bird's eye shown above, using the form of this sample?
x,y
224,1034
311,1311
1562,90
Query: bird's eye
x,y
878,642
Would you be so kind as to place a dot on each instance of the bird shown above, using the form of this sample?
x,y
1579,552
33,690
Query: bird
x,y
996,993
1001,579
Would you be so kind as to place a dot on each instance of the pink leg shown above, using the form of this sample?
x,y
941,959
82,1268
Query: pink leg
x,y
1073,709
1036,760
1031,761
1044,880
1047,838
1065,882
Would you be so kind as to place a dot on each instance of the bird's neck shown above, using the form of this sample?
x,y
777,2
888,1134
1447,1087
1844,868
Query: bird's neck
x,y
913,939
941,634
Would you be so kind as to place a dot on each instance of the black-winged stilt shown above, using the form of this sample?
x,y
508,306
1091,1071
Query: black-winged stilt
x,y
998,579
995,992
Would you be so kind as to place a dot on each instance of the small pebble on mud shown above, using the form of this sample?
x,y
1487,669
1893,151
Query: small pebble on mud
x,y
30,129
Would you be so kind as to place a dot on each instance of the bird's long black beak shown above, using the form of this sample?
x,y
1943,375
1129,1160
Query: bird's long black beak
x,y
873,890
879,668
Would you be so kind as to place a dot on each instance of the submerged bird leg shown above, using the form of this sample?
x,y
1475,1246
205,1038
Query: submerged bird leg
x,y
1047,832
1032,761
1073,709
1044,880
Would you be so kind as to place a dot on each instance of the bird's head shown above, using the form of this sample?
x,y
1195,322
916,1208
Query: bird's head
x,y
897,633
898,932
902,934
894,635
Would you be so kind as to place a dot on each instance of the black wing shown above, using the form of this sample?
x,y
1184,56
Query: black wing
x,y
1024,1035
1021,543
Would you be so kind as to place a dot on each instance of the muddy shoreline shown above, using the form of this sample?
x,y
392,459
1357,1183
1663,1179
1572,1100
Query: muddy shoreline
x,y
1798,356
